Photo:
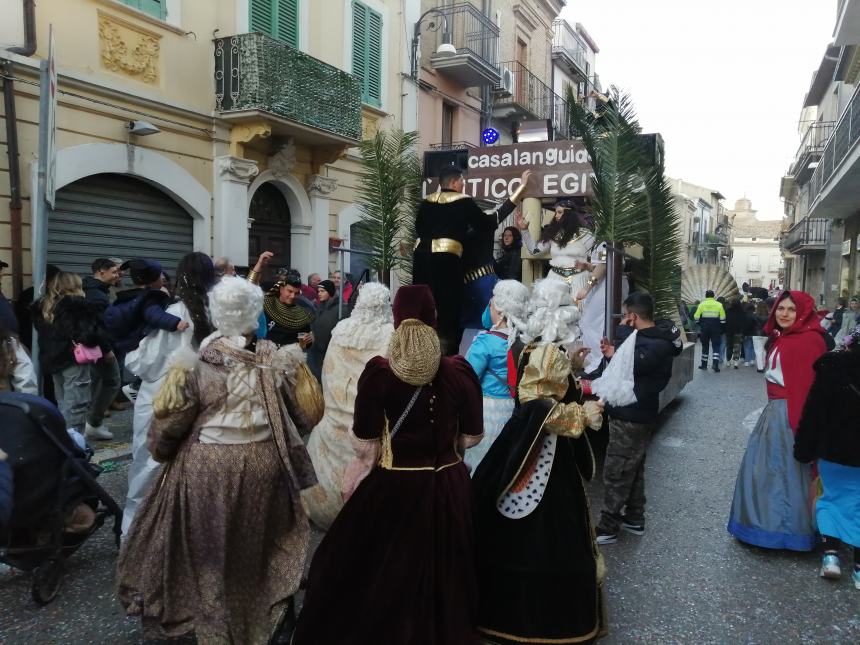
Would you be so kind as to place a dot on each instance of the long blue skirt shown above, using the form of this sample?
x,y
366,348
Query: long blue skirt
x,y
838,509
771,505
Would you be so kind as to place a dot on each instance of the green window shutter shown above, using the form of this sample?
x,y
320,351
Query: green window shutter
x,y
276,18
155,8
367,52
287,23
261,18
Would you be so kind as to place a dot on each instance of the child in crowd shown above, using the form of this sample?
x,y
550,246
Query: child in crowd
x,y
140,310
828,433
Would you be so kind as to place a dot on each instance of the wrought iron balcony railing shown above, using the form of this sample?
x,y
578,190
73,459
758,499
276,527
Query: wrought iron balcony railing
x,y
810,149
568,44
809,234
254,72
454,145
523,90
840,143
476,39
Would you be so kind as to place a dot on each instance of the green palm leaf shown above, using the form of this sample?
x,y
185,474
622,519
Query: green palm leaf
x,y
632,202
388,193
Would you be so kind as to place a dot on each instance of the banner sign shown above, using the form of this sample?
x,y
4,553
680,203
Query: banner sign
x,y
559,169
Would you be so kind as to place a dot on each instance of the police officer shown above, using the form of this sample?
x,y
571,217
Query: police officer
x,y
711,318
451,228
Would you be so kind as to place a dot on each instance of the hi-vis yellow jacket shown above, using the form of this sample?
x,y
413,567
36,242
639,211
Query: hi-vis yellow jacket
x,y
710,309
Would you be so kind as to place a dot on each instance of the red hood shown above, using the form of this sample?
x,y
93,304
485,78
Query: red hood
x,y
807,317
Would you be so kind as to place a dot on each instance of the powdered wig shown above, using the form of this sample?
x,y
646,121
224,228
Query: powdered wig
x,y
235,305
370,324
511,300
552,315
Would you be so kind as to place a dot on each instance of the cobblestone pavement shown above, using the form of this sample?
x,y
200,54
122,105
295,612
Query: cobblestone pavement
x,y
685,581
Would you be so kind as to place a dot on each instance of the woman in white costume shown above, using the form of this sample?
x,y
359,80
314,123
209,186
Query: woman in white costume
x,y
195,275
578,260
354,341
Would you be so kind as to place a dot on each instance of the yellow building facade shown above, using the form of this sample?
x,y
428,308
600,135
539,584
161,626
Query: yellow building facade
x,y
259,106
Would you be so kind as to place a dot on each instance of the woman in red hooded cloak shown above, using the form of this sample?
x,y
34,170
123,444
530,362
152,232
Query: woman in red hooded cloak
x,y
771,505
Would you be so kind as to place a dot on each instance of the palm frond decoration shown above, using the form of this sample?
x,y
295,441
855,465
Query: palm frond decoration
x,y
631,202
388,193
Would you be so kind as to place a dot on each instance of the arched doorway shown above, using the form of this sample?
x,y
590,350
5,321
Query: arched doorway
x,y
112,215
270,230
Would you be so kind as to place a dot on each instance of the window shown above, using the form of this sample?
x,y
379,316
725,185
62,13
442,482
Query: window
x,y
276,18
775,262
752,263
155,8
447,123
367,52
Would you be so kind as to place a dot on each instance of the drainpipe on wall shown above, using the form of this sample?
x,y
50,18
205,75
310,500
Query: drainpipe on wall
x,y
15,205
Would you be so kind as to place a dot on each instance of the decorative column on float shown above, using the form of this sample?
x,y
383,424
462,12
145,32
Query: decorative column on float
x,y
319,190
532,211
230,196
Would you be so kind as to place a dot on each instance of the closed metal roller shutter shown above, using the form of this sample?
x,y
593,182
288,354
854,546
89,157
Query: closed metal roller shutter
x,y
116,216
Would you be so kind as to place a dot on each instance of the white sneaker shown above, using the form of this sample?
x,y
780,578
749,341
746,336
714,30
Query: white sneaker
x,y
98,432
130,393
830,567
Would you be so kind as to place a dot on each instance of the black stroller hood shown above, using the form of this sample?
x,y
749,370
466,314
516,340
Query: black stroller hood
x,y
33,434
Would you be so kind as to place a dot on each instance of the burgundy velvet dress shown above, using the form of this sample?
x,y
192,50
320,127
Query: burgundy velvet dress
x,y
397,566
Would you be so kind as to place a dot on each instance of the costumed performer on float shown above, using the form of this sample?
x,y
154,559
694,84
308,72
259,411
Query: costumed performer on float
x,y
218,546
578,260
397,565
488,356
540,572
354,341
453,253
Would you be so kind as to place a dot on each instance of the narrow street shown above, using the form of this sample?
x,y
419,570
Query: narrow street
x,y
685,581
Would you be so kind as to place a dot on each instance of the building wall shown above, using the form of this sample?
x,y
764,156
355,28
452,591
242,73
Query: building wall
x,y
141,77
162,72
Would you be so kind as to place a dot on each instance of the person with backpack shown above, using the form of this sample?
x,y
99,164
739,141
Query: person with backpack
x,y
140,310
488,356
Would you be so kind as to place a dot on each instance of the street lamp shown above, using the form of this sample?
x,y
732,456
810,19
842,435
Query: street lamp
x,y
445,47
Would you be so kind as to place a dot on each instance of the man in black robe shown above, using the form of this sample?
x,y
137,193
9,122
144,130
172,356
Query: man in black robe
x,y
455,238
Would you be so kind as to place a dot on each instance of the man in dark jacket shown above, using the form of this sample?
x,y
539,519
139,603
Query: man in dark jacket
x,y
630,427
454,253
97,286
106,375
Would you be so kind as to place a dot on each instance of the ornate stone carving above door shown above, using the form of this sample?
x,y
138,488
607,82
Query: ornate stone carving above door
x,y
129,50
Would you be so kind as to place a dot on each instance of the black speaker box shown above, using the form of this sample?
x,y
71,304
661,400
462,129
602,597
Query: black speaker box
x,y
435,160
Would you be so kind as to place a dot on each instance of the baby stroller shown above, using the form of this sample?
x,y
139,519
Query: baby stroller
x,y
57,503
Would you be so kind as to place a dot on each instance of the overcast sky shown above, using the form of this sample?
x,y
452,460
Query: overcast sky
x,y
723,82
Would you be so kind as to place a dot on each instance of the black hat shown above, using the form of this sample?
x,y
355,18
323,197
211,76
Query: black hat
x,y
143,271
328,285
3,264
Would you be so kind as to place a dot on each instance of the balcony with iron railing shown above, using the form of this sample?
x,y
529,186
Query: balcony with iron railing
x,y
569,50
836,179
810,149
259,78
809,234
521,95
453,145
476,39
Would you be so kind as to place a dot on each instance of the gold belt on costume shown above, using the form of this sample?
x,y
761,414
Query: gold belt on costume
x,y
425,468
565,272
446,245
474,274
